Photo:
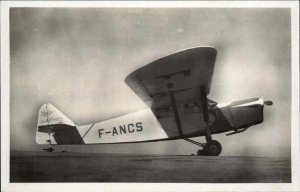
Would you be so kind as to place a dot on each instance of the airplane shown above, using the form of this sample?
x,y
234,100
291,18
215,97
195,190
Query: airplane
x,y
175,89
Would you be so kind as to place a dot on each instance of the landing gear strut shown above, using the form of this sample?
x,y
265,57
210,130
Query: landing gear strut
x,y
211,147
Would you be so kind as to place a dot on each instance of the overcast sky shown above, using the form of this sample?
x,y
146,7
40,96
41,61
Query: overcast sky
x,y
77,60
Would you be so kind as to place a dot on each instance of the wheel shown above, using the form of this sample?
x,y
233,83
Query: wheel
x,y
201,153
49,149
213,148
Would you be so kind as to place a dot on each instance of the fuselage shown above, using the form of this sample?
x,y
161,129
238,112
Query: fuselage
x,y
236,115
143,126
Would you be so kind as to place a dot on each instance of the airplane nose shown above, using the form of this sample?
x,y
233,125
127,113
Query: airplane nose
x,y
269,103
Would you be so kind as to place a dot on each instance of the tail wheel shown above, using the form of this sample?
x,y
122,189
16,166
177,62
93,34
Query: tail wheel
x,y
213,148
49,149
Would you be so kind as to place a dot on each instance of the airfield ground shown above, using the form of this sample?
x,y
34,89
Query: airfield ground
x,y
81,167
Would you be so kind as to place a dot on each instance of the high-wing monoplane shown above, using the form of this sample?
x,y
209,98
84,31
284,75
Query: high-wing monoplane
x,y
175,89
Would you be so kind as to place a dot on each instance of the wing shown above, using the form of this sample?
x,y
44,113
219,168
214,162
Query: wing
x,y
171,86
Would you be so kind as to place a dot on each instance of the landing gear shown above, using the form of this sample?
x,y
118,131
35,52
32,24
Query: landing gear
x,y
201,153
49,149
213,148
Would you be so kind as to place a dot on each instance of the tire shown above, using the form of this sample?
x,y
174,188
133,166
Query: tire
x,y
213,148
201,153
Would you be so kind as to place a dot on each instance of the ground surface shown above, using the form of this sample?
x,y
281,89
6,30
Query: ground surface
x,y
80,167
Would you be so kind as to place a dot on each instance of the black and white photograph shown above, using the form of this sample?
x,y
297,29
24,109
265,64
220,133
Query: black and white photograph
x,y
152,94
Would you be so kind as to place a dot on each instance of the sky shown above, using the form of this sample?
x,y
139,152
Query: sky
x,y
77,59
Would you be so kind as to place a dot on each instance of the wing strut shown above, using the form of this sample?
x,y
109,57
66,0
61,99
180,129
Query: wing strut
x,y
178,123
205,112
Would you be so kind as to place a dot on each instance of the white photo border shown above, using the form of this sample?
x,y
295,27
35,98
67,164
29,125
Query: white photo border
x,y
5,93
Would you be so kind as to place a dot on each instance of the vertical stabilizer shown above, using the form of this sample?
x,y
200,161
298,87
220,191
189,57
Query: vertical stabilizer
x,y
49,115
55,128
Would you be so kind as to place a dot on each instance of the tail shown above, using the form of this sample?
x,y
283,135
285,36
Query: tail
x,y
55,128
